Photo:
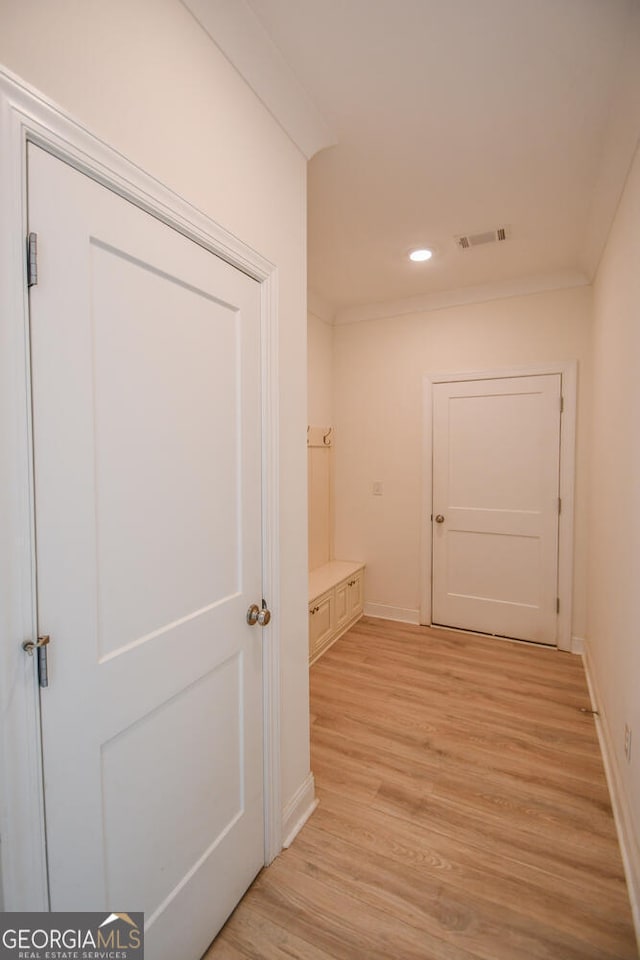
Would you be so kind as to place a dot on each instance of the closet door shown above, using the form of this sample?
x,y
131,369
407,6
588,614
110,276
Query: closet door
x,y
147,414
496,456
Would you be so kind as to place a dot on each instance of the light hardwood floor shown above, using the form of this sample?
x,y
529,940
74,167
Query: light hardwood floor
x,y
463,812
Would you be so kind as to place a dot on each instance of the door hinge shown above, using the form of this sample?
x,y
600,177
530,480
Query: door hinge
x,y
43,667
557,604
32,259
559,505
40,646
561,404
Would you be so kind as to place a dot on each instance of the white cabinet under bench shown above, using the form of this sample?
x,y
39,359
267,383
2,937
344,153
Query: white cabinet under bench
x,y
336,600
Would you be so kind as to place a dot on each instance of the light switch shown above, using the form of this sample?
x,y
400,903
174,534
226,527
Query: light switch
x,y
378,488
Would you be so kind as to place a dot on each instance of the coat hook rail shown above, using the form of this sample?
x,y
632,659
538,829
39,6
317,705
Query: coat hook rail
x,y
319,436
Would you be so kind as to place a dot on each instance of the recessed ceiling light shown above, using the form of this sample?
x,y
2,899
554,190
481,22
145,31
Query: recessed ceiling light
x,y
419,255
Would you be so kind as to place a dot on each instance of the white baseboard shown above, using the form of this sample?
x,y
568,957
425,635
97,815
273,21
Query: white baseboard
x,y
298,810
629,844
577,645
386,612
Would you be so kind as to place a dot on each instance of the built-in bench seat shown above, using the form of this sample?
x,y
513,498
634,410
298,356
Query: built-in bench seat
x,y
336,600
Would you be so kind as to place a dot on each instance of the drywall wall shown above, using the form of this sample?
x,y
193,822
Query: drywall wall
x,y
378,370
319,371
148,80
319,458
613,635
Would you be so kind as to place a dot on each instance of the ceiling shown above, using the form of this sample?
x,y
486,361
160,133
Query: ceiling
x,y
453,117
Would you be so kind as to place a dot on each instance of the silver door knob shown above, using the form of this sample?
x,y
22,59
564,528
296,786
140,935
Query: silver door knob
x,y
255,614
439,518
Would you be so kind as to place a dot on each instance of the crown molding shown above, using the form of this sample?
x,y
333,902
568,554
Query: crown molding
x,y
236,30
462,296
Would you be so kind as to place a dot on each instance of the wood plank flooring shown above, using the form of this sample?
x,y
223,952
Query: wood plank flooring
x,y
463,812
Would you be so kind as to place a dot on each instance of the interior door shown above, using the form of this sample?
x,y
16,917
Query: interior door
x,y
496,458
146,411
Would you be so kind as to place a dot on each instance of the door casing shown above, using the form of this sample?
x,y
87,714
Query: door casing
x,y
568,373
27,116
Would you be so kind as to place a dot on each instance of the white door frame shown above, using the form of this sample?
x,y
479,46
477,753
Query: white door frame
x,y
568,371
26,115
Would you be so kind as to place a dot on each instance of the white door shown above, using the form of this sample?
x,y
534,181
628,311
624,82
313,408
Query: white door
x,y
146,408
496,457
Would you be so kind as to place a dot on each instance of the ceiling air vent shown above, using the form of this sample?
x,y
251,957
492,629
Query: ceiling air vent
x,y
469,240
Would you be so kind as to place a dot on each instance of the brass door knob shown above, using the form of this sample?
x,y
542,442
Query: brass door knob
x,y
260,615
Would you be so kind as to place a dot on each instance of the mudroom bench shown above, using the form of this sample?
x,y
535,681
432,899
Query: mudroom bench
x,y
336,600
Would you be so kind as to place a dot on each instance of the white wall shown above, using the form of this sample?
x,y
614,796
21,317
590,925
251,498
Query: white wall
x,y
319,459
614,514
378,371
319,371
143,76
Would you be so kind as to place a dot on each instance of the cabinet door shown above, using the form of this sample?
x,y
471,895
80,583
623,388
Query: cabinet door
x,y
343,603
356,594
321,622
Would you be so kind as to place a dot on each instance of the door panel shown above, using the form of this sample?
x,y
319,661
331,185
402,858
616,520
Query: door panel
x,y
495,484
356,598
322,620
343,610
146,406
138,757
177,409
